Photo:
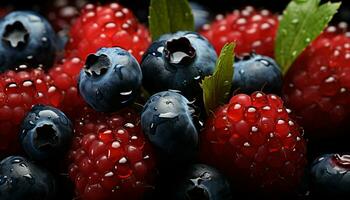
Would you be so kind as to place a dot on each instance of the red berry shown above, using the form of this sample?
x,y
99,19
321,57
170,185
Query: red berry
x,y
251,29
65,77
254,141
19,91
62,13
110,158
317,86
108,26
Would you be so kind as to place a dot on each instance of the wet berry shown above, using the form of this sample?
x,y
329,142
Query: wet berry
x,y
255,142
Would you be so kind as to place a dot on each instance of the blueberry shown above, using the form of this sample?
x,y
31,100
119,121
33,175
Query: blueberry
x,y
178,61
21,179
257,73
166,120
46,132
201,14
27,39
110,80
330,175
202,182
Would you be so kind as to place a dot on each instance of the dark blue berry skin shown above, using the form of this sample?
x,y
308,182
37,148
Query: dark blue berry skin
x,y
166,120
110,80
201,15
201,182
26,39
330,175
46,133
178,61
21,179
257,73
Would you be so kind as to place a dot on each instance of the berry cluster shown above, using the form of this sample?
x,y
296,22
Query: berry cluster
x,y
92,108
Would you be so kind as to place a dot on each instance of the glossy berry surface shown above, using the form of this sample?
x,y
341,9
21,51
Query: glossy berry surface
x,y
178,61
255,142
110,158
201,182
65,75
330,175
110,80
317,86
256,73
19,91
167,121
252,30
109,25
26,39
21,179
46,132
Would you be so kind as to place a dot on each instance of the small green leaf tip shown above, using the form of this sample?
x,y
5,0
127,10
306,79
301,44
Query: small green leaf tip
x,y
170,16
217,88
302,22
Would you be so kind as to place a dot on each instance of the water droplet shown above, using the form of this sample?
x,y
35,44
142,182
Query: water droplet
x,y
264,62
129,125
294,53
168,115
197,77
118,69
126,93
123,160
48,114
27,83
307,40
15,161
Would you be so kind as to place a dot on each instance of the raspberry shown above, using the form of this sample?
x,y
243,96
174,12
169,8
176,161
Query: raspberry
x,y
65,77
108,26
252,30
255,142
18,92
317,85
62,13
110,157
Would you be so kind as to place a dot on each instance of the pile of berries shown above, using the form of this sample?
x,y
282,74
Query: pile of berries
x,y
92,108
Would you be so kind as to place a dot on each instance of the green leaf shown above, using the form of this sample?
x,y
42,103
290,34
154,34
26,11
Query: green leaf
x,y
302,22
217,88
169,16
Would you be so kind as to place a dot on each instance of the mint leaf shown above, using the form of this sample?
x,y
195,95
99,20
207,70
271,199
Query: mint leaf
x,y
302,22
169,16
217,88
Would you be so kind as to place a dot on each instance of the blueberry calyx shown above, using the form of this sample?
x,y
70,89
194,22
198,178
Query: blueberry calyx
x,y
45,137
179,51
16,35
198,192
343,161
96,65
